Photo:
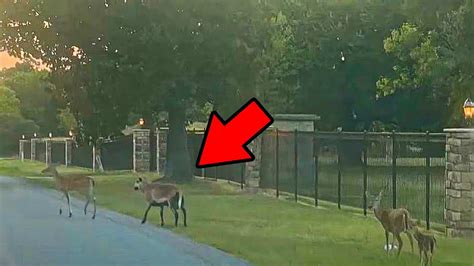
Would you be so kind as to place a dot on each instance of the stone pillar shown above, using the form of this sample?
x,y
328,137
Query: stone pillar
x,y
22,150
48,151
459,205
141,150
252,176
161,149
68,152
33,149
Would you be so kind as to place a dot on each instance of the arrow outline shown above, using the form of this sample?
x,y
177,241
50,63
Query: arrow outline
x,y
225,122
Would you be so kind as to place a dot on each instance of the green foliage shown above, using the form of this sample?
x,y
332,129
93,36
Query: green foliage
x,y
9,103
66,119
13,126
34,92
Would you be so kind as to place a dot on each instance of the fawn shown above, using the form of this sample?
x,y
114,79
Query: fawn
x,y
73,182
395,221
161,195
426,243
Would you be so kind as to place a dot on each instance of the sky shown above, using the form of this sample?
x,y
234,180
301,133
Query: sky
x,y
7,61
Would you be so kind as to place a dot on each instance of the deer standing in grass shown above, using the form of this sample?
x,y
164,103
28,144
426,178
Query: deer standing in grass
x,y
161,195
73,182
394,221
426,243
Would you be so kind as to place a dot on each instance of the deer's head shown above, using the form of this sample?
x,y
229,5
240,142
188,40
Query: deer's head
x,y
139,183
374,200
51,169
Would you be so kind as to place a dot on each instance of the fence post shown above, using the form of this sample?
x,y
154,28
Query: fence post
x,y
242,173
315,158
296,165
93,158
365,173
339,170
394,171
277,163
22,150
33,149
428,181
158,150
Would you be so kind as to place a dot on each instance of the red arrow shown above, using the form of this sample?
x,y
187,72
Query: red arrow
x,y
225,142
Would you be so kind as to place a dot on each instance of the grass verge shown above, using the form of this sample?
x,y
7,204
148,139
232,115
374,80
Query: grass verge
x,y
261,229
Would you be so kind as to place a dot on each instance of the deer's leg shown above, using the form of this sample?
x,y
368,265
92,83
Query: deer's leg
x,y
184,214
69,204
146,213
161,215
176,216
400,243
92,195
85,206
386,240
60,209
410,238
419,251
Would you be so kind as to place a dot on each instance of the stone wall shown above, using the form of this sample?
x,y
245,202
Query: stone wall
x,y
141,150
459,206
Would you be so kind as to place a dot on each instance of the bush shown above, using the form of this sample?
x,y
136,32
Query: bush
x,y
11,129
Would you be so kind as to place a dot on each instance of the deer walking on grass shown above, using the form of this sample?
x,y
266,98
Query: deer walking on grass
x,y
73,182
394,221
426,243
161,195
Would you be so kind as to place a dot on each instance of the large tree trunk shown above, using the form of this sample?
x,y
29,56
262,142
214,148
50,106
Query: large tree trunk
x,y
178,161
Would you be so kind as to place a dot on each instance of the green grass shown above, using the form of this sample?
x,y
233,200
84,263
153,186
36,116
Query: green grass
x,y
261,229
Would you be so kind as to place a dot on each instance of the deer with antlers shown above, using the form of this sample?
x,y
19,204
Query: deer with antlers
x,y
394,221
73,182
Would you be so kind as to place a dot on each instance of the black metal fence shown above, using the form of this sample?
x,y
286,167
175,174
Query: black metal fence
x,y
341,166
233,172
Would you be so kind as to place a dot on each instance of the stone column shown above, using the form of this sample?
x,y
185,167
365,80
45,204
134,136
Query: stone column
x,y
68,152
22,150
141,150
48,144
161,149
33,149
252,176
459,205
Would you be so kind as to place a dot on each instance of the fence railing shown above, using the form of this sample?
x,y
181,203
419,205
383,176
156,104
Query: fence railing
x,y
343,167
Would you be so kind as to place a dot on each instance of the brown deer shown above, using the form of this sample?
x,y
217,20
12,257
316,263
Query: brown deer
x,y
73,182
394,221
161,195
426,243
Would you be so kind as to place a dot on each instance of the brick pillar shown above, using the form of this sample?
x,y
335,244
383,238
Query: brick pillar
x,y
141,150
459,205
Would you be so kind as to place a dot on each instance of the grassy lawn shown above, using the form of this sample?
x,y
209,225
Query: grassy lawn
x,y
261,229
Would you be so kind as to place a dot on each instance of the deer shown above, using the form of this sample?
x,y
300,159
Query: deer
x,y
426,243
73,182
161,195
394,221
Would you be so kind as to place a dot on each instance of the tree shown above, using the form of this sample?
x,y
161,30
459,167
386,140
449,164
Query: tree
x,y
35,94
110,59
434,69
9,103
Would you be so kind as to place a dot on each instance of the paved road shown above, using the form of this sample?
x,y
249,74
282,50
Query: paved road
x,y
33,233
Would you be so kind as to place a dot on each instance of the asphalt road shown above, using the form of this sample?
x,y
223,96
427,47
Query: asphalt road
x,y
33,233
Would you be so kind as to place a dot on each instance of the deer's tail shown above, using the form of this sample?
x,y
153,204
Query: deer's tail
x,y
405,220
180,200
